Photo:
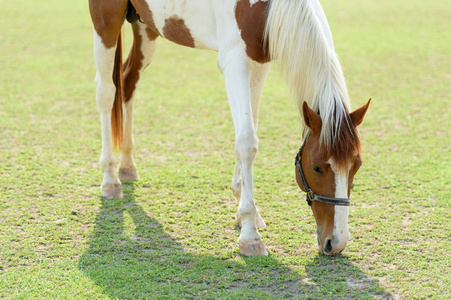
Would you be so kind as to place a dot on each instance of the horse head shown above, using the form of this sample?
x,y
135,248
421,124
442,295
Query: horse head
x,y
326,175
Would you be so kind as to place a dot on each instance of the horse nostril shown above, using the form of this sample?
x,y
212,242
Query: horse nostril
x,y
328,246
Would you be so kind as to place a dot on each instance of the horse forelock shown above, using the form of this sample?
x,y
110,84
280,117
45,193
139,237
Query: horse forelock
x,y
342,143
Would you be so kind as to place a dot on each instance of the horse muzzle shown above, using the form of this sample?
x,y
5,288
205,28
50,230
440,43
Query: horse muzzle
x,y
331,245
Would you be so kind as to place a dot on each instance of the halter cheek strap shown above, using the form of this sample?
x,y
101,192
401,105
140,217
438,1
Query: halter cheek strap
x,y
311,196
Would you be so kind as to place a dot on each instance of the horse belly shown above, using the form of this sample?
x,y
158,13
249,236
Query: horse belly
x,y
189,23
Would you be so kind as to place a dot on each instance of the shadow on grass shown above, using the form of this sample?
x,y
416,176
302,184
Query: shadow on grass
x,y
151,264
337,277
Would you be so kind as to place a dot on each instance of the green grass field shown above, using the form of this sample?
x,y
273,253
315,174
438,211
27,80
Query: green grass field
x,y
173,236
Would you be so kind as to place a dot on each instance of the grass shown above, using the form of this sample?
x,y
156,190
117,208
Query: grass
x,y
174,234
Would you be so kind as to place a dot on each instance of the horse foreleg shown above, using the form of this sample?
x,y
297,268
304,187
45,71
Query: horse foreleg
x,y
258,74
236,72
143,49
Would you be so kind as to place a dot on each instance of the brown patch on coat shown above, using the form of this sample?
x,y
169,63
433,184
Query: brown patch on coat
x,y
251,21
133,64
176,31
143,10
107,19
152,35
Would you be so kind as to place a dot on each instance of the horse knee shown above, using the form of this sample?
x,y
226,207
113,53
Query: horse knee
x,y
246,148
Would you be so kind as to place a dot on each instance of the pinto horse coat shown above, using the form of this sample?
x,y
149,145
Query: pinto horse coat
x,y
247,35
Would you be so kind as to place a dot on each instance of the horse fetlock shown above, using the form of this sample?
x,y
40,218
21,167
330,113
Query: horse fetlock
x,y
107,164
247,210
250,212
259,222
248,225
111,185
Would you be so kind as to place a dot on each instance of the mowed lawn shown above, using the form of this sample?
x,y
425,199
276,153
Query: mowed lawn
x,y
173,236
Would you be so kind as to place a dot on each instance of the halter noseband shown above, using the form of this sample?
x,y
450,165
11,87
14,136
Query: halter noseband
x,y
311,196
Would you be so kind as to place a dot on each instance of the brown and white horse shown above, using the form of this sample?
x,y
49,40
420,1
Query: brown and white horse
x,y
248,35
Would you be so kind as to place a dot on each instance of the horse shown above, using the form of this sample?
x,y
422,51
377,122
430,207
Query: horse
x,y
247,35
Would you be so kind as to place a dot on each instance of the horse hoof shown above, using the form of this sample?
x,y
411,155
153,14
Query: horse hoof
x,y
252,248
112,191
129,174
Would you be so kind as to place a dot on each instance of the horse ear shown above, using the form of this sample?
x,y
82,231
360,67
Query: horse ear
x,y
358,115
311,118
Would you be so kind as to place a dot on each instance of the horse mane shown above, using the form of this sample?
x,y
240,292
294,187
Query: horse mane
x,y
295,38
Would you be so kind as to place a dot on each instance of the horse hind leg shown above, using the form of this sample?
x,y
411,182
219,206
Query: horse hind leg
x,y
107,23
143,49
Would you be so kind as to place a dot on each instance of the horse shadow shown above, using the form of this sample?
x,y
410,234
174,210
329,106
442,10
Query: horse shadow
x,y
151,264
336,277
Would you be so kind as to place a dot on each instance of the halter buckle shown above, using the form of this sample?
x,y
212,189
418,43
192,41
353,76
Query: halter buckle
x,y
310,195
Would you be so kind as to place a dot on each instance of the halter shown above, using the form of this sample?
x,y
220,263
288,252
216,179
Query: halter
x,y
311,196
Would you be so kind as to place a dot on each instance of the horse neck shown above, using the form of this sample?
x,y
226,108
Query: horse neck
x,y
296,39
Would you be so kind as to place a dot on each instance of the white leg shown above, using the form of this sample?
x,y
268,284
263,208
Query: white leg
x,y
127,167
104,59
258,74
258,78
237,72
140,57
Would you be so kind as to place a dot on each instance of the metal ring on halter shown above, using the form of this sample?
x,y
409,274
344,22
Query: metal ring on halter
x,y
311,196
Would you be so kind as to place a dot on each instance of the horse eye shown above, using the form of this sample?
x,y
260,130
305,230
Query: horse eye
x,y
317,170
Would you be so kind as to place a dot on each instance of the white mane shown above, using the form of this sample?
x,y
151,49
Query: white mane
x,y
296,39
